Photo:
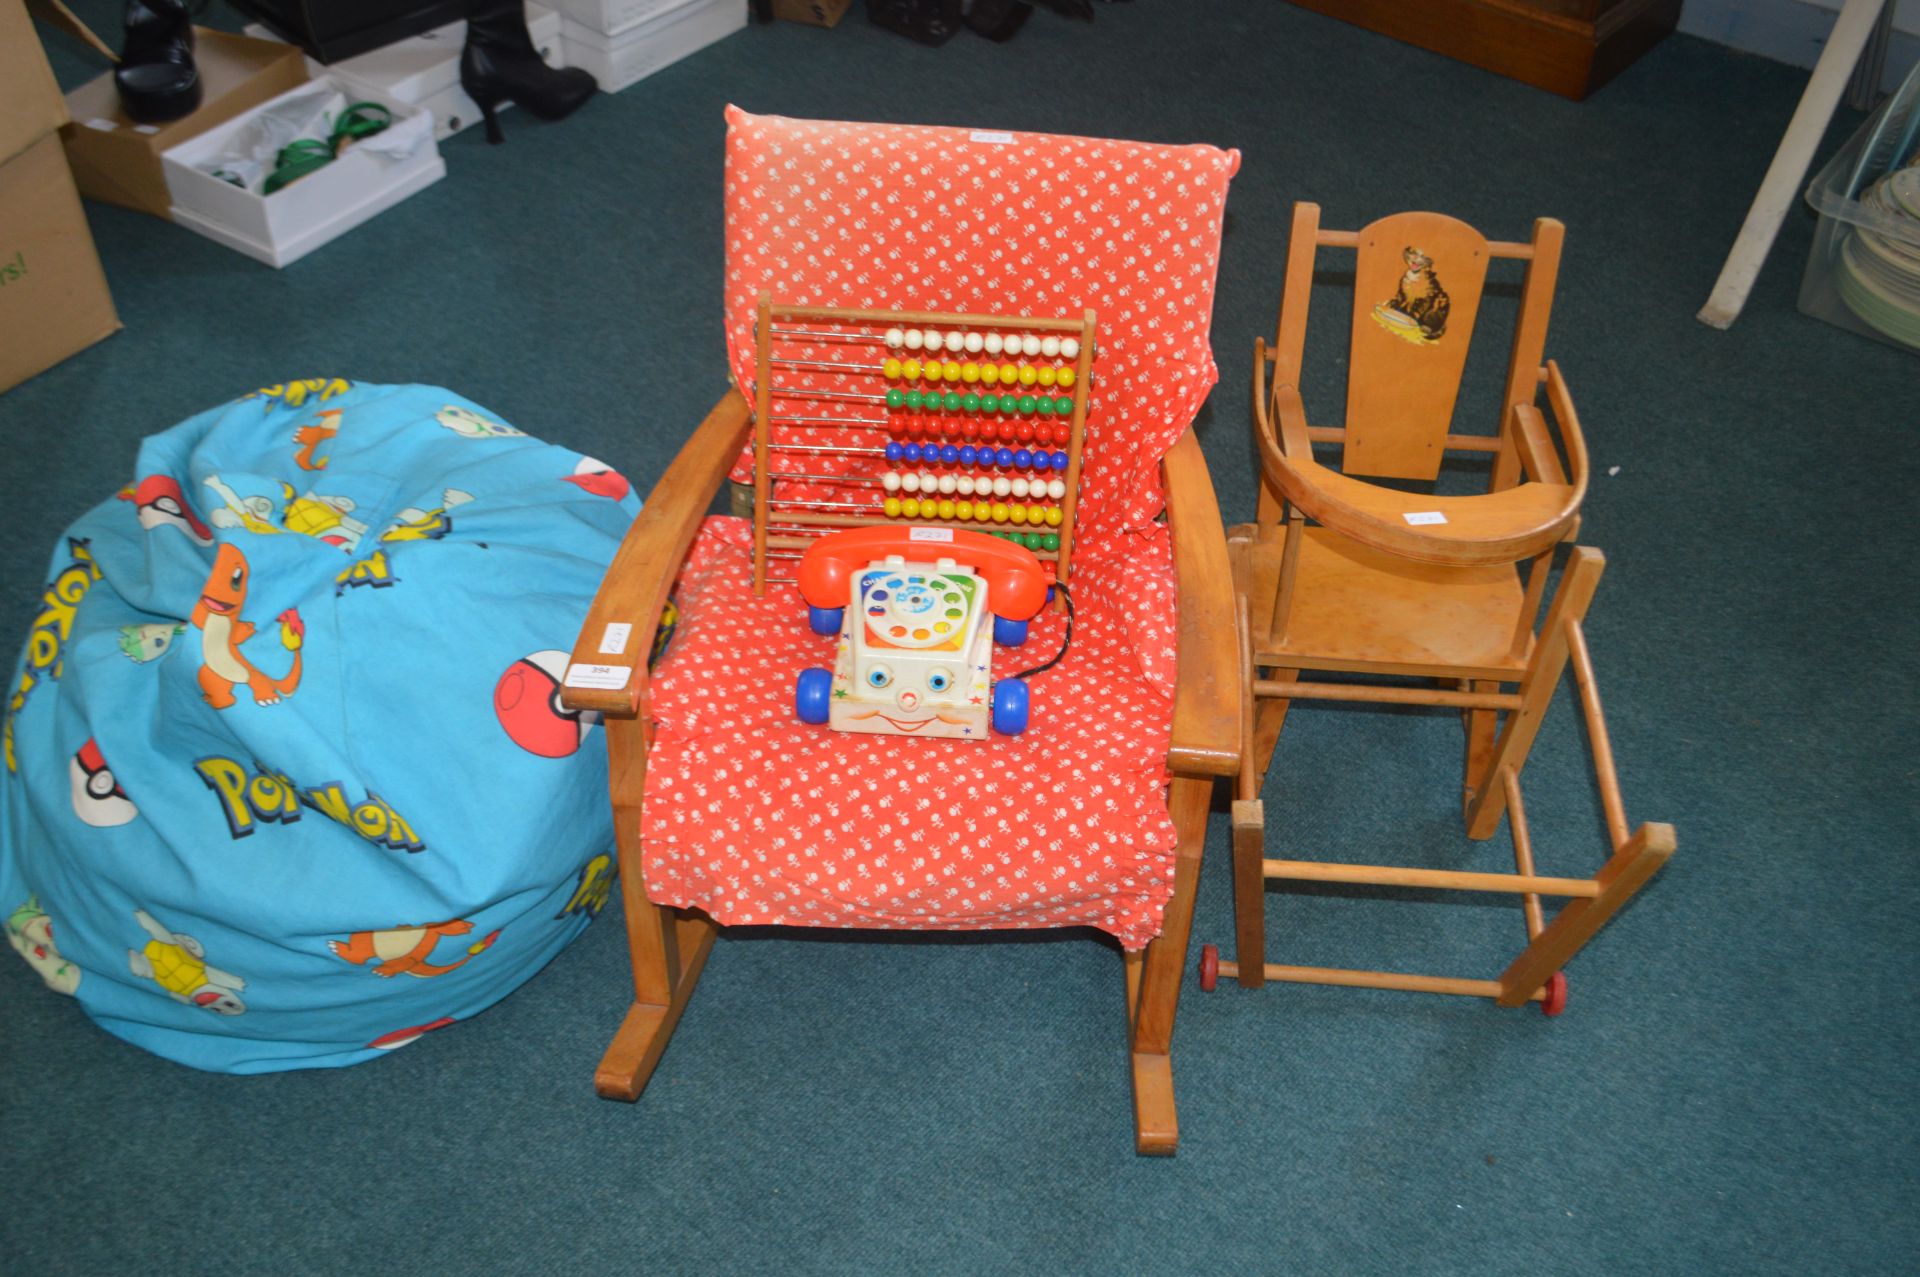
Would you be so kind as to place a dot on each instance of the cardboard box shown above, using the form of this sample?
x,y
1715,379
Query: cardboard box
x,y
30,103
53,294
633,53
425,70
117,160
815,13
610,17
283,227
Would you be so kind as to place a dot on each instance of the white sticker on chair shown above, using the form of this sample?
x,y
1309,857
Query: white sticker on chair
x,y
613,639
1424,516
603,677
993,139
930,534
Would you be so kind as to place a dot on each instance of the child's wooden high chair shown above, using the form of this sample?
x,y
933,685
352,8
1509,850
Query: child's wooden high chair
x,y
729,809
1342,575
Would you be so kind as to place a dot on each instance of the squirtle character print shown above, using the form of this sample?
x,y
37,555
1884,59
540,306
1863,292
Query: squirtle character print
x,y
237,511
1418,311
149,642
179,965
405,950
324,517
310,436
465,421
217,616
30,932
159,502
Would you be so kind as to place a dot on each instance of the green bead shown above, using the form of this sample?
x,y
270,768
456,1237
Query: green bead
x,y
1063,407
953,400
1027,403
930,401
1050,541
1031,540
1044,406
970,402
989,403
896,398
912,400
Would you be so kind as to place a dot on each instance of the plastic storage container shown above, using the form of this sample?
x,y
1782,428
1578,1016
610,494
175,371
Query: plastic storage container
x,y
1864,271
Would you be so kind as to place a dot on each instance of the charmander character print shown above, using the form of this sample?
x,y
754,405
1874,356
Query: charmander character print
x,y
286,780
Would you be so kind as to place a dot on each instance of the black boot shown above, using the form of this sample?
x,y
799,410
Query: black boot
x,y
500,64
156,76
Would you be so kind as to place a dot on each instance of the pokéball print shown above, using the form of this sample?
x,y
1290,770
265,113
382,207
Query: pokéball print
x,y
97,797
527,702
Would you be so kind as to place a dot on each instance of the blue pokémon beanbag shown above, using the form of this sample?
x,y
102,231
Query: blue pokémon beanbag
x,y
287,781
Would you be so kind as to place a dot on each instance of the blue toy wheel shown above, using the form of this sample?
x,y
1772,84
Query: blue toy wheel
x,y
812,694
1009,633
1010,702
825,620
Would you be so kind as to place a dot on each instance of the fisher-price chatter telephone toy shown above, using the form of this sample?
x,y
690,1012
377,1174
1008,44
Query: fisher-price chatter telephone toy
x,y
911,606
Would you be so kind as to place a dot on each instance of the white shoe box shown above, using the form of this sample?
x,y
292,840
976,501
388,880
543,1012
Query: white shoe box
x,y
611,17
425,70
281,228
661,37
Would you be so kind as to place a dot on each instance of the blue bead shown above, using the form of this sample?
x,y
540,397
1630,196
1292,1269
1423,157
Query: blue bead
x,y
1042,458
1023,459
1003,458
949,454
894,452
968,456
912,452
1059,461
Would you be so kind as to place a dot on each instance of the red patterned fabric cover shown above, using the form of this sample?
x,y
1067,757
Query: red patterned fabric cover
x,y
756,817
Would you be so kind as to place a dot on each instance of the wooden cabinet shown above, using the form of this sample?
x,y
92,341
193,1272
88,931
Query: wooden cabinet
x,y
1569,47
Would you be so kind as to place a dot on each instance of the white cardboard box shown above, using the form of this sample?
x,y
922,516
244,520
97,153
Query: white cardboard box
x,y
611,17
425,70
662,38
283,227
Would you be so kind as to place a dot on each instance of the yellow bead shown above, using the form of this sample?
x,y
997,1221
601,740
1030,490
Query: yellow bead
x,y
1064,376
893,507
1053,516
999,512
1048,375
982,511
910,507
890,369
963,510
1029,374
910,369
946,509
1017,513
1036,515
990,374
1010,373
970,373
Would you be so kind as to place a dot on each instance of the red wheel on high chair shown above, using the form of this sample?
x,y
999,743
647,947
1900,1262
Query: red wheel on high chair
x,y
1556,1000
1209,967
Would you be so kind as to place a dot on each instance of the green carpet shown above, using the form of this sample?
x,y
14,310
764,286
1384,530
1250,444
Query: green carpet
x,y
1731,1089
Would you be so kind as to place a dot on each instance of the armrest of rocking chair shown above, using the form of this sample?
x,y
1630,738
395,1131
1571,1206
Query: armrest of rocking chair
x,y
634,591
1206,698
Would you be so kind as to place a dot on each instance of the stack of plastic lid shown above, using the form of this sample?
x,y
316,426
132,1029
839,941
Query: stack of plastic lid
x,y
1879,275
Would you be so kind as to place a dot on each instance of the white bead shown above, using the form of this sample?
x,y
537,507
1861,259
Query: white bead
x,y
974,343
932,339
1070,347
956,341
993,343
965,484
929,482
890,481
910,482
1019,487
1002,486
947,484
1049,346
983,484
894,338
1029,345
1057,488
911,340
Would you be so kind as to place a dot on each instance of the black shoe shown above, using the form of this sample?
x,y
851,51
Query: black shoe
x,y
156,76
500,64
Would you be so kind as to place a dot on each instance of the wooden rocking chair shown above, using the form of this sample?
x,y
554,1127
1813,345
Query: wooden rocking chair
x,y
1342,575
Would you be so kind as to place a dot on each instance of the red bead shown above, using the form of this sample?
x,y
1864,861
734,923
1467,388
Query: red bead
x,y
897,426
1024,432
1063,433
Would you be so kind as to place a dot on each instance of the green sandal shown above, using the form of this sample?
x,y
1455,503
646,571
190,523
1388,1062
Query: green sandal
x,y
305,156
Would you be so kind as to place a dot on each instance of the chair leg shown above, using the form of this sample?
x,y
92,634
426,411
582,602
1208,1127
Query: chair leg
x,y
1249,893
1550,656
1482,727
1153,977
1578,920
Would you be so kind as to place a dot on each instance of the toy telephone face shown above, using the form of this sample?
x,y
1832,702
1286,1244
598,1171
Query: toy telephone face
x,y
920,610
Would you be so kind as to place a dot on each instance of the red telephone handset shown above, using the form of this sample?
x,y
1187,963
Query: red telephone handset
x,y
1016,583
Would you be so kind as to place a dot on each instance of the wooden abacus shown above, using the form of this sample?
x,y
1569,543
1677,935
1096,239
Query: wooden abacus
x,y
1051,363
